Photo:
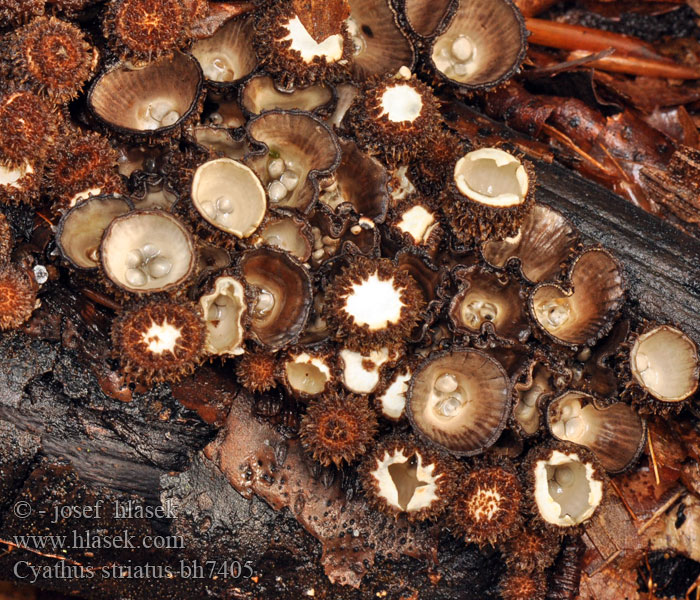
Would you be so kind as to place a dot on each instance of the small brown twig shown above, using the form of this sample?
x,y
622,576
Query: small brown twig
x,y
653,458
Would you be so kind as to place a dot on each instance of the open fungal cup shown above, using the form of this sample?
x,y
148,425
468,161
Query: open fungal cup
x,y
378,45
586,312
229,196
492,177
403,477
283,296
483,45
615,434
307,374
492,192
260,94
289,233
664,363
224,309
425,18
297,150
147,251
153,100
567,487
227,56
543,243
80,230
360,372
460,400
488,302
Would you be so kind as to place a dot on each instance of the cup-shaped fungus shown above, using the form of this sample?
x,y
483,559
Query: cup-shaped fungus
x,y
663,366
459,400
394,117
487,506
147,251
229,196
307,374
288,232
283,296
296,56
260,94
224,310
379,47
297,150
566,485
539,382
390,398
490,194
360,182
487,303
338,429
227,56
372,304
426,18
585,312
615,434
543,243
152,101
483,45
159,341
80,229
401,476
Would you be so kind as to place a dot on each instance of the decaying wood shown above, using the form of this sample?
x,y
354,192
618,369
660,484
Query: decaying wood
x,y
74,436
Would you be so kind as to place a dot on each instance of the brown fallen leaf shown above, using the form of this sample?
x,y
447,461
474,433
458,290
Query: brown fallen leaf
x,y
322,18
610,584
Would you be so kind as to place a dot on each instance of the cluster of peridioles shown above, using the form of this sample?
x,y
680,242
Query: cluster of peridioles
x,y
285,197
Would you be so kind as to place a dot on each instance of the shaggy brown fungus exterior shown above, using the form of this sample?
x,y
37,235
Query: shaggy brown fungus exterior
x,y
523,585
401,476
27,128
146,29
13,12
487,507
53,57
338,429
394,117
7,241
372,304
82,161
532,548
258,371
17,297
159,341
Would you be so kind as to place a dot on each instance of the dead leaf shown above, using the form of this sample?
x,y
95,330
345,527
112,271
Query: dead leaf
x,y
322,18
